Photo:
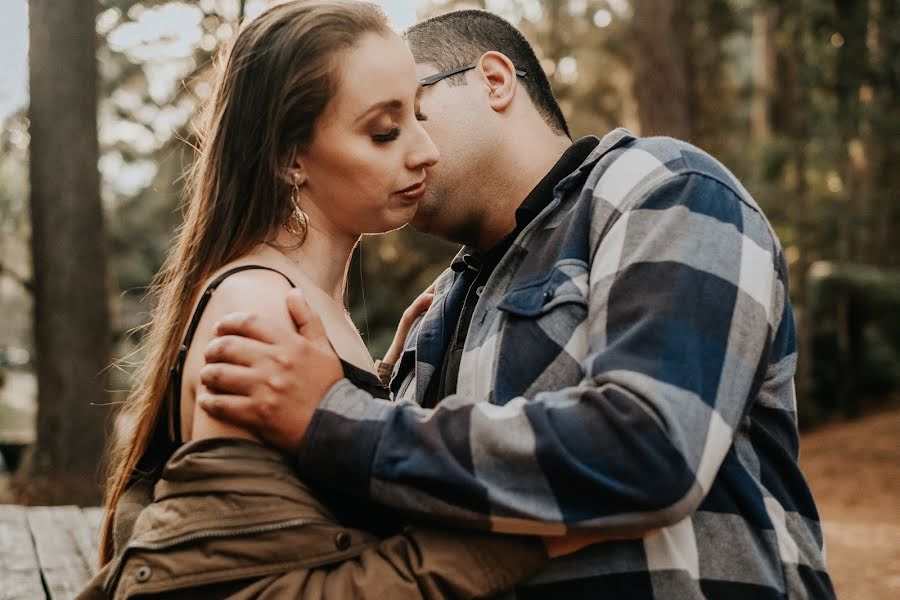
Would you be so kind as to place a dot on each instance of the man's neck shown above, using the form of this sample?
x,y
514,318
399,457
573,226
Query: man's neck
x,y
527,160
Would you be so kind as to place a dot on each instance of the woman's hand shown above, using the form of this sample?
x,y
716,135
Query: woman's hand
x,y
418,306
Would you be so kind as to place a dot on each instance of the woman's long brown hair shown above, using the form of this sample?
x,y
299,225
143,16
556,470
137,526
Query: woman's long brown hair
x,y
271,86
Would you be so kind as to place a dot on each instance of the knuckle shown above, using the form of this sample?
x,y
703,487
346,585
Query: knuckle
x,y
265,411
282,360
276,383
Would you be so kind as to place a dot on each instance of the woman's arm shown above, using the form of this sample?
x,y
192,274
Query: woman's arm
x,y
255,291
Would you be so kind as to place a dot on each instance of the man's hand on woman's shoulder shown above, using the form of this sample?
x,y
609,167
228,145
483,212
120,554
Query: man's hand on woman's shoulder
x,y
268,379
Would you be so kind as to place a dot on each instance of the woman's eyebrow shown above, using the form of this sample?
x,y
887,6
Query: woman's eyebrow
x,y
378,106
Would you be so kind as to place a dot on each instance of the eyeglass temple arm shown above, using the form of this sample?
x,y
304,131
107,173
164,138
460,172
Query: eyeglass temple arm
x,y
432,79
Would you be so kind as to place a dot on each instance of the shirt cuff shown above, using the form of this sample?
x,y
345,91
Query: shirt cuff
x,y
340,444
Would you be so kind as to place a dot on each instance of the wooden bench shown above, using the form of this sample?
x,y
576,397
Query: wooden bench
x,y
47,552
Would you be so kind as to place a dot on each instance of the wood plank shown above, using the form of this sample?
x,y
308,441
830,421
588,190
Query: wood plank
x,y
84,533
19,570
93,518
55,532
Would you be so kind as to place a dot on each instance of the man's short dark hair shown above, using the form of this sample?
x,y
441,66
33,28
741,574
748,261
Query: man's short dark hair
x,y
461,37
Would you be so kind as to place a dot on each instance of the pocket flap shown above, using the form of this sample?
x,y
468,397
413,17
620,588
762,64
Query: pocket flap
x,y
566,283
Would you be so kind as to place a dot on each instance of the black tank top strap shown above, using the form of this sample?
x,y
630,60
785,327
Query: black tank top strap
x,y
175,375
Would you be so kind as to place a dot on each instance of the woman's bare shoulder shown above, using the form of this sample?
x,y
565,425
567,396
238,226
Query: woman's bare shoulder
x,y
259,291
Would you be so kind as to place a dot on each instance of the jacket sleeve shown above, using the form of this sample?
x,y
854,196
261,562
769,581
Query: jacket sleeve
x,y
420,564
686,288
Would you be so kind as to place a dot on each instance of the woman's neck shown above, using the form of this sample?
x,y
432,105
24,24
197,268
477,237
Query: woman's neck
x,y
324,257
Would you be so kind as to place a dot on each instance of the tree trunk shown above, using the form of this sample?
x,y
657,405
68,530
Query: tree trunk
x,y
789,119
884,146
660,67
851,23
71,320
760,103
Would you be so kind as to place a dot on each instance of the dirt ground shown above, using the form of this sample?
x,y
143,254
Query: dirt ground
x,y
854,471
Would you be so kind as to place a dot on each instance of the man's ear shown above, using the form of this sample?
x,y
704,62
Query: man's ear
x,y
499,75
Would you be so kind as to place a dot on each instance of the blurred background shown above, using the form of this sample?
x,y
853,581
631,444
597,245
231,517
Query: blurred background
x,y
799,98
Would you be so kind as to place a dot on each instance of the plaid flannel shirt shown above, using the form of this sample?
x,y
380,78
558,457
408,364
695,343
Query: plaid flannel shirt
x,y
629,367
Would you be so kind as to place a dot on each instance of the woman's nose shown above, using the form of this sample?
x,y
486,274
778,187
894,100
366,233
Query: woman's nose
x,y
423,152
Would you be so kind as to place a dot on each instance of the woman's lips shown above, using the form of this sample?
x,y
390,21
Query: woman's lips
x,y
414,192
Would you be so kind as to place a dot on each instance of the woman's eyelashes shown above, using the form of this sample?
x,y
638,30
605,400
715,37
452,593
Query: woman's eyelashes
x,y
390,136
394,132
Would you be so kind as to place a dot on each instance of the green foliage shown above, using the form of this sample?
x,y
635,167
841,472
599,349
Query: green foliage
x,y
855,342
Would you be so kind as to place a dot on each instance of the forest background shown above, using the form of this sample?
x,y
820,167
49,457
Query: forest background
x,y
799,98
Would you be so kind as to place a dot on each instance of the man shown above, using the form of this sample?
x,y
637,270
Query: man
x,y
612,352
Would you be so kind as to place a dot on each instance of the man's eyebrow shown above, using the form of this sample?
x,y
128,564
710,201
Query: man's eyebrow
x,y
378,106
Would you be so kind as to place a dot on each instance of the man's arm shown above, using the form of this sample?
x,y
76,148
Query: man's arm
x,y
686,289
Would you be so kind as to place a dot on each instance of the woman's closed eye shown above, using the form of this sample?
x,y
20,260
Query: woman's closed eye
x,y
388,136
394,132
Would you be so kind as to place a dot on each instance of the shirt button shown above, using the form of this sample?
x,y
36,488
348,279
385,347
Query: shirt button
x,y
548,296
143,574
342,540
479,290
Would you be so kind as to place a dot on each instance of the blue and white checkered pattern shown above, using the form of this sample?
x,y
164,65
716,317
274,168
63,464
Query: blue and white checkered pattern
x,y
629,367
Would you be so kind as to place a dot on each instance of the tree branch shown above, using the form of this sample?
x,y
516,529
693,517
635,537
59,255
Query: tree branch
x,y
27,284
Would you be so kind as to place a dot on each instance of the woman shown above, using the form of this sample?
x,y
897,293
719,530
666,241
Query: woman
x,y
313,139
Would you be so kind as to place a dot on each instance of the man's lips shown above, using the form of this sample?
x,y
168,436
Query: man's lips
x,y
414,192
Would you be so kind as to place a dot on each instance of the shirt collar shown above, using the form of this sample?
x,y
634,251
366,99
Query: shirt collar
x,y
536,201
542,194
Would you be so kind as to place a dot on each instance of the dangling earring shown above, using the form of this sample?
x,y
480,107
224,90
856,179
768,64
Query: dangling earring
x,y
297,222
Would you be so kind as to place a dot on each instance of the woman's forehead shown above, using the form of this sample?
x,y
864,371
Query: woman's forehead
x,y
380,69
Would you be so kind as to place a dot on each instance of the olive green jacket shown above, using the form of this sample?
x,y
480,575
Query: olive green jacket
x,y
230,519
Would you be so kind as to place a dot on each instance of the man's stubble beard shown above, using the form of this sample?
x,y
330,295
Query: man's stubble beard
x,y
432,218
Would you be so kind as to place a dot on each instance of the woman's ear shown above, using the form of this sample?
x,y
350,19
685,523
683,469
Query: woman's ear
x,y
500,76
295,174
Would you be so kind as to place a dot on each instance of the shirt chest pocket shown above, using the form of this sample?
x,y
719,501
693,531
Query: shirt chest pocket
x,y
542,340
564,288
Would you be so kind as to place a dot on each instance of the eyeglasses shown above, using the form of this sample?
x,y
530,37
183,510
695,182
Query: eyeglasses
x,y
432,79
